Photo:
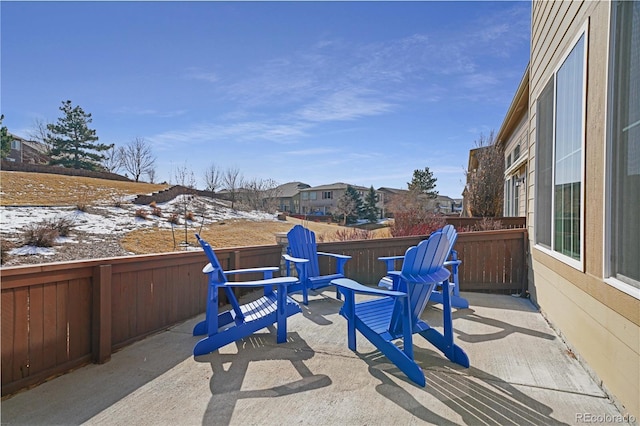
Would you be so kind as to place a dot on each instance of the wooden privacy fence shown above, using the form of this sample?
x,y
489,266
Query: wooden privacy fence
x,y
58,316
492,261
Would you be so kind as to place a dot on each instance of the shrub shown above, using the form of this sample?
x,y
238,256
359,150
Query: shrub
x,y
142,213
488,224
153,204
5,247
174,218
416,222
189,216
63,225
157,211
40,235
347,234
83,199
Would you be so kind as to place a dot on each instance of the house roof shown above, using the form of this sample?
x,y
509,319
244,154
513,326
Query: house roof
x,y
392,190
337,185
290,189
519,108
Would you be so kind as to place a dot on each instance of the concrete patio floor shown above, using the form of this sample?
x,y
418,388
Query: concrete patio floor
x,y
521,373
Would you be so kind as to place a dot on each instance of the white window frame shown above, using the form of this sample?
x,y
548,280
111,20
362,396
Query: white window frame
x,y
575,263
608,267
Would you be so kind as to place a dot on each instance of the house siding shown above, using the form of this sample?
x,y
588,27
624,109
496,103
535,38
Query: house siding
x,y
600,322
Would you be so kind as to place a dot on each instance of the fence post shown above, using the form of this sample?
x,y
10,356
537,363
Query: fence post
x,y
101,314
283,242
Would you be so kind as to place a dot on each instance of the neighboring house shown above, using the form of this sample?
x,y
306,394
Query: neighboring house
x,y
583,183
472,168
440,204
25,151
513,135
289,196
387,195
323,199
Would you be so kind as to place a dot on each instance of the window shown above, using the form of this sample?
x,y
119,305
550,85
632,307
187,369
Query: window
x,y
313,195
560,138
507,197
624,143
508,161
304,195
516,152
327,195
15,144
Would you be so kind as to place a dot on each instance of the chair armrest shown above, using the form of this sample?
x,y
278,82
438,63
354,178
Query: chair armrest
x,y
252,270
359,288
385,258
337,256
452,262
262,283
341,259
294,259
390,261
266,271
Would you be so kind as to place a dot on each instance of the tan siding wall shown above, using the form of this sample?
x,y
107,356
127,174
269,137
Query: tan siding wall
x,y
519,135
600,322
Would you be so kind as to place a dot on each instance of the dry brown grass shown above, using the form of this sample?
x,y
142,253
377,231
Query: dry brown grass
x,y
43,189
230,233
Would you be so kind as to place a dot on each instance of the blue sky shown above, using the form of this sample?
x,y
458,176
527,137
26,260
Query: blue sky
x,y
318,92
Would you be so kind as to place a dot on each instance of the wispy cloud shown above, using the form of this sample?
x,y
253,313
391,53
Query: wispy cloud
x,y
344,105
195,73
149,111
311,151
233,132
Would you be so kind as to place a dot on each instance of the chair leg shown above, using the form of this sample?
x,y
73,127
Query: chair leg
x,y
348,312
406,364
444,342
281,314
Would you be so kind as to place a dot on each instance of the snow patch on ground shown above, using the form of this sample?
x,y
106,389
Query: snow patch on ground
x,y
101,220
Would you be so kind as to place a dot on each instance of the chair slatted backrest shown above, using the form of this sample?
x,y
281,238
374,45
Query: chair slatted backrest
x,y
302,244
422,269
218,272
218,278
452,234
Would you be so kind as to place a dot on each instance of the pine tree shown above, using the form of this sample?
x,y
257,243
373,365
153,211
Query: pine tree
x,y
370,210
73,143
352,193
423,182
5,139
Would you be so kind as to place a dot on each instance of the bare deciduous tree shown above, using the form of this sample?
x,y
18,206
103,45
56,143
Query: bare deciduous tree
x,y
232,181
485,182
112,161
137,157
260,194
212,177
184,176
346,206
39,133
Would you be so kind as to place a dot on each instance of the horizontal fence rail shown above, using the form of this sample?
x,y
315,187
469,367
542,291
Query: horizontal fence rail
x,y
58,316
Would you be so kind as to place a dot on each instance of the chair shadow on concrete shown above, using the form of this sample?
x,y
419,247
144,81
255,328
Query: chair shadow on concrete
x,y
504,328
231,373
320,306
476,396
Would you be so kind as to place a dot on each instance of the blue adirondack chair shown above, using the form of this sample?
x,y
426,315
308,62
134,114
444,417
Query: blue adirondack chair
x,y
436,296
303,253
395,314
242,320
